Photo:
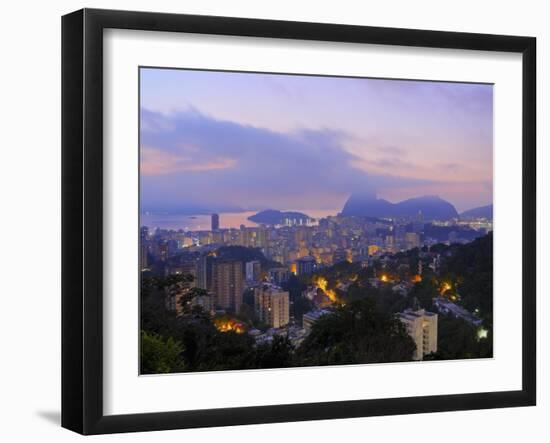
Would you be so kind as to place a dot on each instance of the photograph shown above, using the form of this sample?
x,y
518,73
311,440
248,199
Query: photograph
x,y
304,220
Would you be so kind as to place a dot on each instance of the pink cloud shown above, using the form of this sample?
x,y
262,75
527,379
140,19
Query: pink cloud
x,y
158,162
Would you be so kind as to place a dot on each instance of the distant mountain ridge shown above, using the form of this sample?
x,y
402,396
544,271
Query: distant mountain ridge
x,y
431,207
479,212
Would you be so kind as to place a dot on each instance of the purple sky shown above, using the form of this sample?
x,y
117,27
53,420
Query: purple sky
x,y
215,141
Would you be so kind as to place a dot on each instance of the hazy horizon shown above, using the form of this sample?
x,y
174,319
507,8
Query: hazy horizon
x,y
225,142
191,211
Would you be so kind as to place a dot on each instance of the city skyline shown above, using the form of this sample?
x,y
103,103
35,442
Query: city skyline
x,y
276,141
292,221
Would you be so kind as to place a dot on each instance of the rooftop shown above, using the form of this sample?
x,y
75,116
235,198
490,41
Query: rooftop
x,y
317,313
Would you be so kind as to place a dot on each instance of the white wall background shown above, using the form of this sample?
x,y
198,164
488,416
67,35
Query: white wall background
x,y
30,217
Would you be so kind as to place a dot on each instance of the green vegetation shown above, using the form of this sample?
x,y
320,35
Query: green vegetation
x,y
191,341
457,339
159,355
473,265
363,327
466,277
356,333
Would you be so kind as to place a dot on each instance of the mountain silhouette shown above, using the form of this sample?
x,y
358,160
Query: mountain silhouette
x,y
480,212
429,207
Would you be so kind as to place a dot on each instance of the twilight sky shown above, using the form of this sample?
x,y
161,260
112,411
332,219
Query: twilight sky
x,y
219,141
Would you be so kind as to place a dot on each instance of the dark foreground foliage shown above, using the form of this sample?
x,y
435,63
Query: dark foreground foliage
x,y
355,333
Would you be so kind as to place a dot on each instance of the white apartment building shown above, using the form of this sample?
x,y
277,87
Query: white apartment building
x,y
422,327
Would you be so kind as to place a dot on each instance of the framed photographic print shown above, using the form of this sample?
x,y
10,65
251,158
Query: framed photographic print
x,y
269,221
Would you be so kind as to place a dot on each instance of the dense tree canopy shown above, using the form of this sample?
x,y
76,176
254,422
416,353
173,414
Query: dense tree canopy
x,y
473,262
356,333
159,355
457,339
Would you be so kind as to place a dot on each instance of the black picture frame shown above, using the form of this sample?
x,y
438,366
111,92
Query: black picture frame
x,y
82,215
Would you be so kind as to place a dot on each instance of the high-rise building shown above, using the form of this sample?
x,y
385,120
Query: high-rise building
x,y
217,237
279,275
400,233
161,251
412,240
205,278
390,244
340,255
303,236
215,219
261,237
253,237
143,255
418,227
253,271
228,284
174,294
311,317
205,238
305,265
271,304
422,327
